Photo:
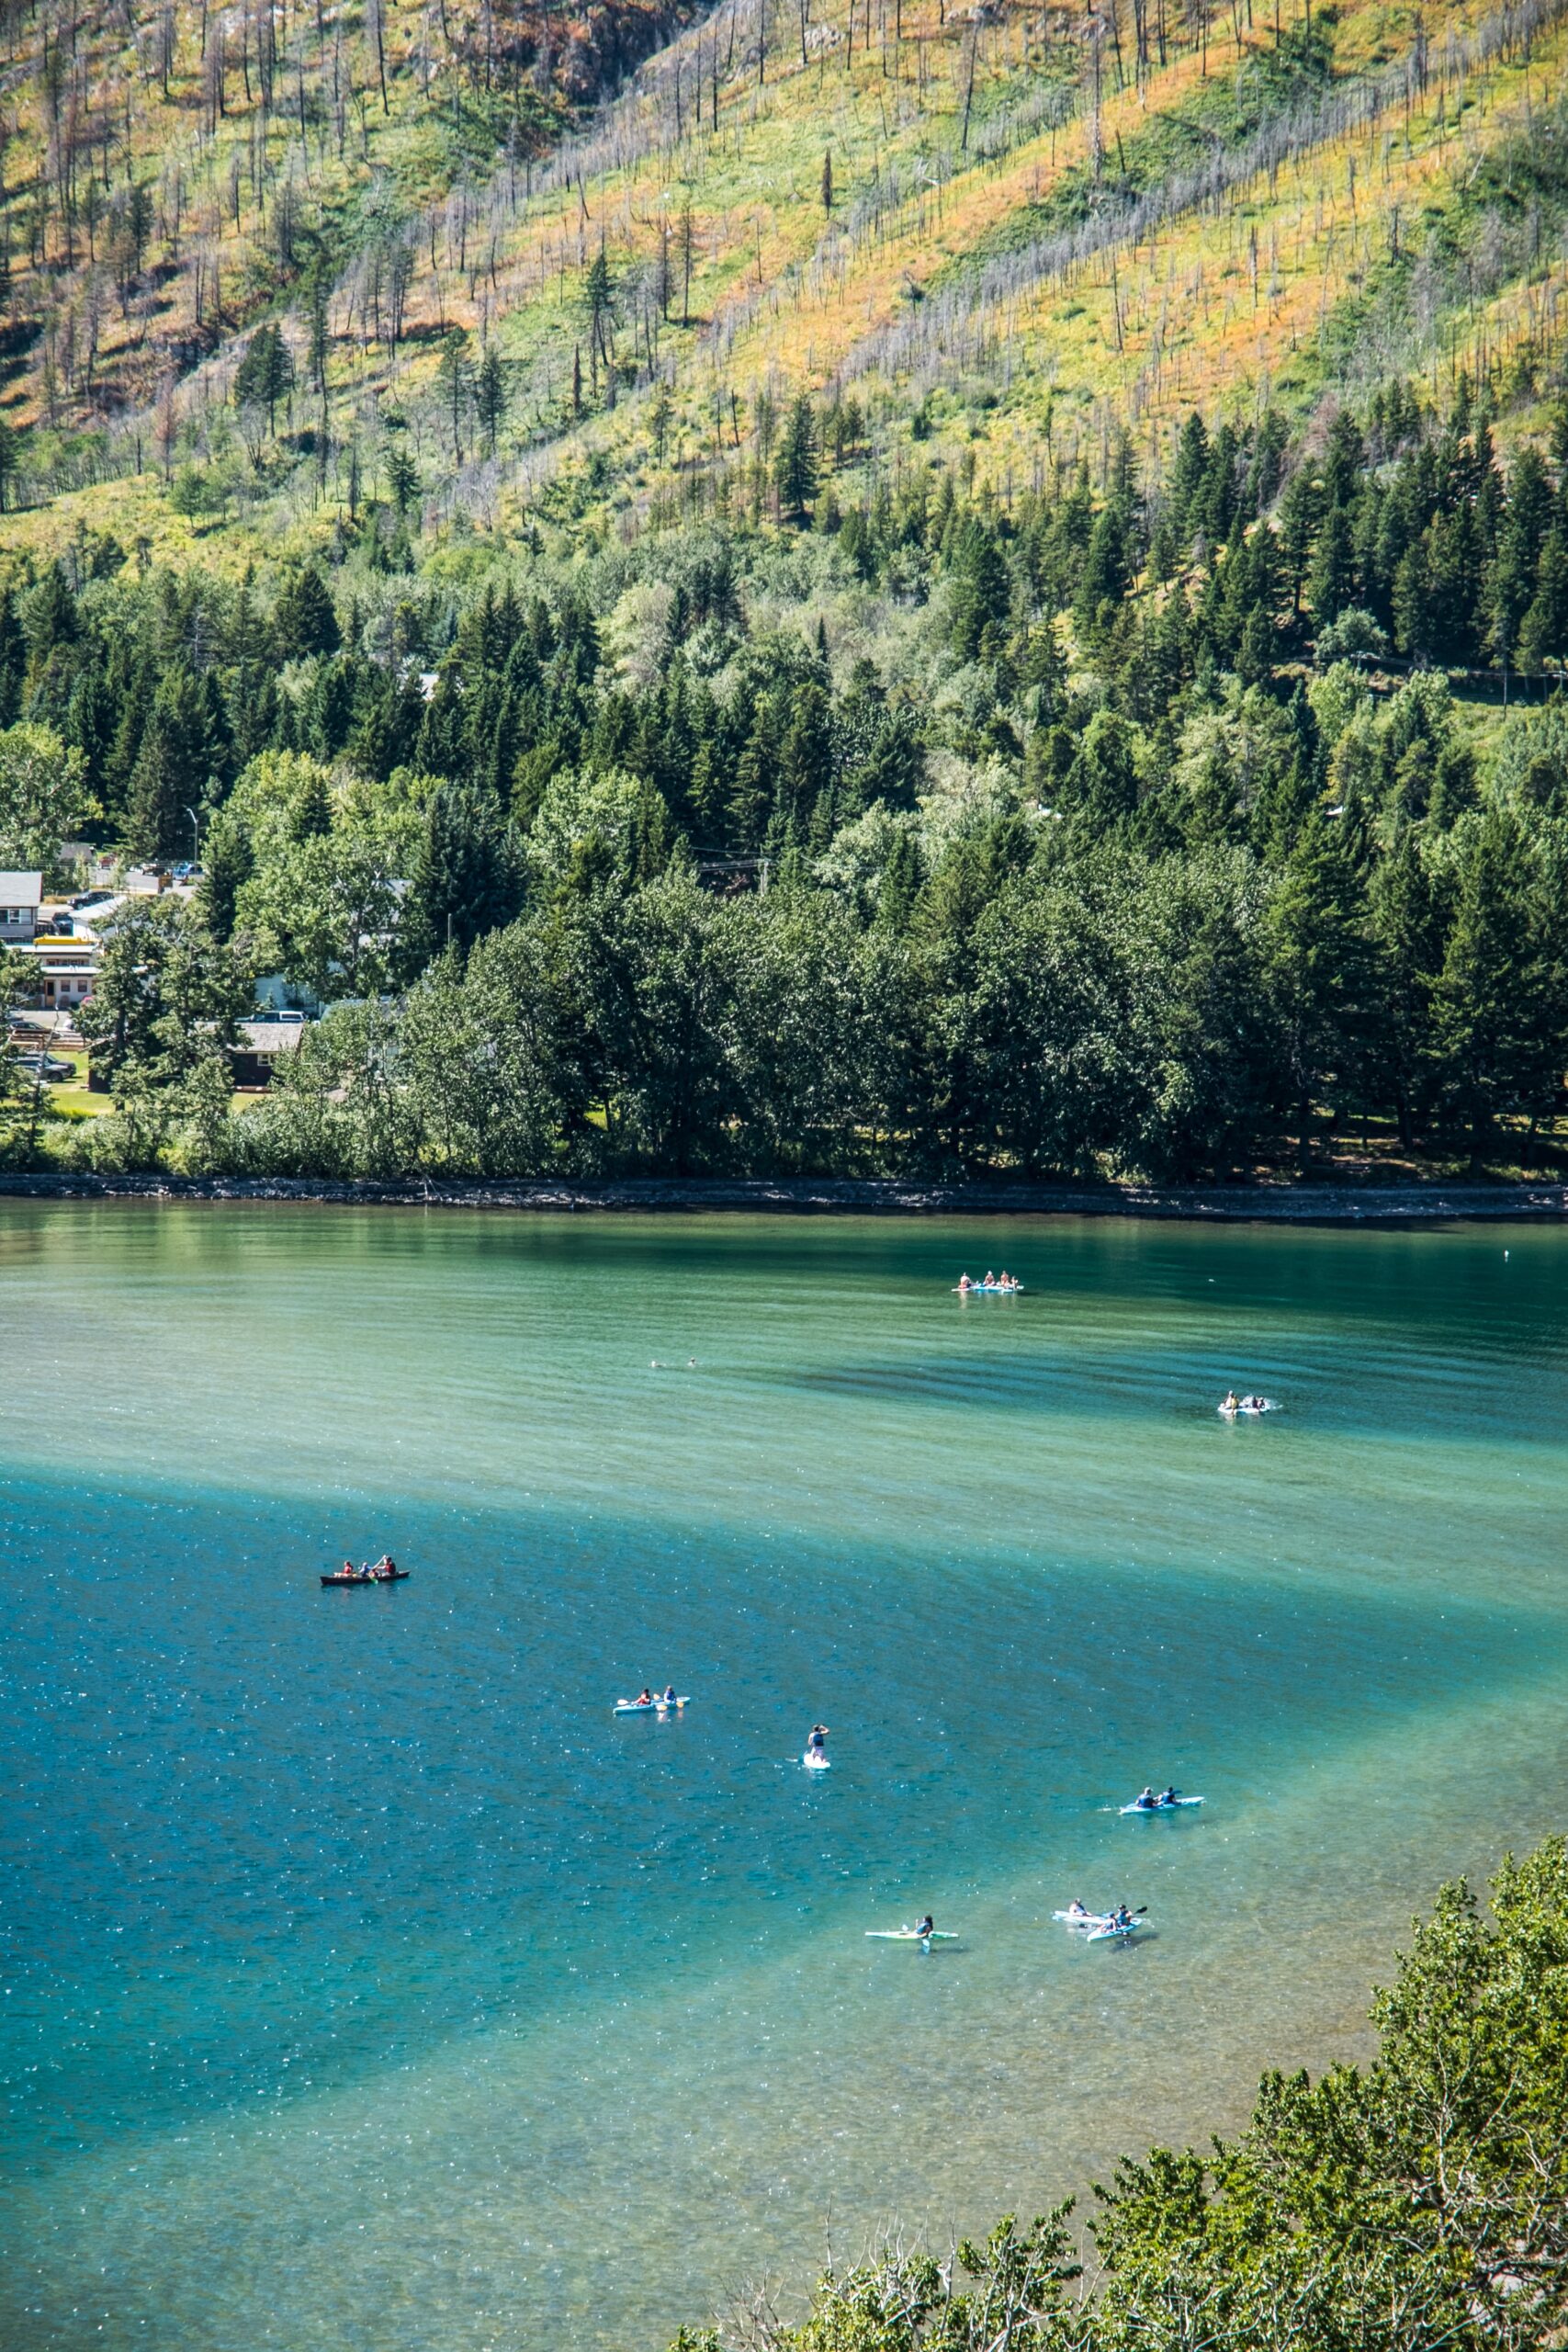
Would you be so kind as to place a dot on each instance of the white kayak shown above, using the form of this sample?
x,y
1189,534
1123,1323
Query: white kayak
x,y
814,1762
911,1936
1162,1804
1083,1918
649,1706
1249,1410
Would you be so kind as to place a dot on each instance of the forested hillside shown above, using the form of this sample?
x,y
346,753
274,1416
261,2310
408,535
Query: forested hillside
x,y
918,590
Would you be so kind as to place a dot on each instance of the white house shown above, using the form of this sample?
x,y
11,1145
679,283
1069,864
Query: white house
x,y
21,895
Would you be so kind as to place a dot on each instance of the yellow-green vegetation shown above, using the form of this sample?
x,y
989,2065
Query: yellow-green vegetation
x,y
266,270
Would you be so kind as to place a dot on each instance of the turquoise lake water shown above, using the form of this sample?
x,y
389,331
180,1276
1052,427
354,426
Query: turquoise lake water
x,y
365,1982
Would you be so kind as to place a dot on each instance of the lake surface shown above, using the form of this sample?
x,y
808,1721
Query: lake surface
x,y
367,1983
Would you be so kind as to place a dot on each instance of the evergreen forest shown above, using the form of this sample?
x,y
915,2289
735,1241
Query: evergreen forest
x,y
844,591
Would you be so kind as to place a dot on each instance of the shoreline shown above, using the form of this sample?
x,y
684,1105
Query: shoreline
x,y
1281,1203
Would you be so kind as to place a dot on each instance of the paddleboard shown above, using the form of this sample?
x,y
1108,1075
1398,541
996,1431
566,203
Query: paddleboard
x,y
1167,1804
815,1763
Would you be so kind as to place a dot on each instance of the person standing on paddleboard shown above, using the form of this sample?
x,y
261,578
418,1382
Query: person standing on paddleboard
x,y
817,1744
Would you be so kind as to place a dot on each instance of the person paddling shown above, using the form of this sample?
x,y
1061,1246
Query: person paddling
x,y
818,1741
925,1928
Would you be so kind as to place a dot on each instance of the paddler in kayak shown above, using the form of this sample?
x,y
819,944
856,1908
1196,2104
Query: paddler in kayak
x,y
1075,1911
644,1699
1232,1403
1147,1800
1170,1795
670,1699
925,1927
963,1285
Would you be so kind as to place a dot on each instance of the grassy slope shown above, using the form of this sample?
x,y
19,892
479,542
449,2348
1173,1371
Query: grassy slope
x,y
1259,296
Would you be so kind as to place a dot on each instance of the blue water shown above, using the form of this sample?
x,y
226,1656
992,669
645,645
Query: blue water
x,y
366,1981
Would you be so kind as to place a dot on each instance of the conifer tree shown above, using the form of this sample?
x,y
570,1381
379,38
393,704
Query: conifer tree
x,y
466,879
798,457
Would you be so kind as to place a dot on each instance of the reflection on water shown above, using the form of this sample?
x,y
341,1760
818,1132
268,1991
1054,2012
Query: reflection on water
x,y
367,1981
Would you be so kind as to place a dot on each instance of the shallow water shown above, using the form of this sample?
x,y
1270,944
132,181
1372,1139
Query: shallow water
x,y
367,1982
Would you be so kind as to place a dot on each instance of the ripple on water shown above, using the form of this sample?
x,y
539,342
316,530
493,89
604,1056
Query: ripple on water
x,y
368,1980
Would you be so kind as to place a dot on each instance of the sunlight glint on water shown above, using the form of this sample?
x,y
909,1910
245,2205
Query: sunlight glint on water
x,y
367,1983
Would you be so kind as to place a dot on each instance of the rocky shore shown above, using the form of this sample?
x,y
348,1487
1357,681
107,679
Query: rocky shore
x,y
1279,1203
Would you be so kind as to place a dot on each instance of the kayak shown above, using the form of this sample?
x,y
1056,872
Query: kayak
x,y
1112,1929
1083,1918
393,1575
1164,1805
649,1706
815,1763
908,1936
988,1290
1247,1412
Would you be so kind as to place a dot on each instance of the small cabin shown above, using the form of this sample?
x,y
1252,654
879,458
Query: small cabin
x,y
255,1054
21,896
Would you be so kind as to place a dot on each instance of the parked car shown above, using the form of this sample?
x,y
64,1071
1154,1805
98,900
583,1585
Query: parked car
x,y
45,1066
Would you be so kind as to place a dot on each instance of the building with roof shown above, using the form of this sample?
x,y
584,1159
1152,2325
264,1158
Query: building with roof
x,y
21,895
259,1044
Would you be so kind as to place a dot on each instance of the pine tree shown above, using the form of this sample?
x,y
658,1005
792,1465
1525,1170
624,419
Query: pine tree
x,y
1511,587
798,457
1497,1004
806,765
402,478
305,621
828,180
1331,586
1543,632
1317,965
598,302
171,774
1107,571
265,375
982,588
466,879
456,376
489,398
